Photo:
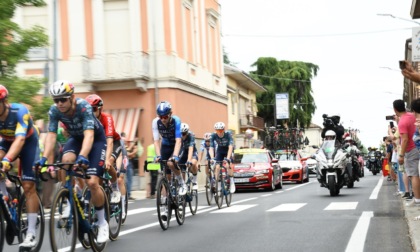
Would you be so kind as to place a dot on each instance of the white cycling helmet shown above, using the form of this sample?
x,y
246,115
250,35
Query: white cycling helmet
x,y
184,127
219,126
61,88
207,136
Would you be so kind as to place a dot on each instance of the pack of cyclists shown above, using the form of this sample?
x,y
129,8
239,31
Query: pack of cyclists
x,y
94,144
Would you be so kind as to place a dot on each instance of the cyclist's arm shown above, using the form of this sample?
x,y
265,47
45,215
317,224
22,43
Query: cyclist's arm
x,y
200,156
177,148
229,154
15,148
87,142
190,152
211,149
50,141
109,149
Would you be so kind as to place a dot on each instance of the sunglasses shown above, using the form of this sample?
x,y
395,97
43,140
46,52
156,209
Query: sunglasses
x,y
207,141
164,117
184,133
62,100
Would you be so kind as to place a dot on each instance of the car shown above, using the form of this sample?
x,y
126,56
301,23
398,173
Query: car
x,y
256,168
293,166
311,163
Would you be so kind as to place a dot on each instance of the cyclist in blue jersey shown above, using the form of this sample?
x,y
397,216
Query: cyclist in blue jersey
x,y
85,146
224,141
205,146
168,127
19,139
189,154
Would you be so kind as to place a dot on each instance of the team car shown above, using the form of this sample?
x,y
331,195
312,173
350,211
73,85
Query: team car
x,y
293,165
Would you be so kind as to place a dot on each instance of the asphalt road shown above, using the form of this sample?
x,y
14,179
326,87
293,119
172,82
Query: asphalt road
x,y
301,217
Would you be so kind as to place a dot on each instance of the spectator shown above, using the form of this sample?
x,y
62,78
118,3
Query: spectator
x,y
410,73
409,155
153,169
131,153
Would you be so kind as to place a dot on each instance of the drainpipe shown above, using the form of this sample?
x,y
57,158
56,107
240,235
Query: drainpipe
x,y
153,5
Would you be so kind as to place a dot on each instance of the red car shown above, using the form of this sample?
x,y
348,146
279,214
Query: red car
x,y
256,168
293,166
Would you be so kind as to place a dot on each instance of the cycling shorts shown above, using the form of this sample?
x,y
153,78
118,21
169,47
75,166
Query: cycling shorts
x,y
166,152
117,149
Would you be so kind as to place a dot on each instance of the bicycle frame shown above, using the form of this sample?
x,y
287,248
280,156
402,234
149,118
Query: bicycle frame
x,y
10,214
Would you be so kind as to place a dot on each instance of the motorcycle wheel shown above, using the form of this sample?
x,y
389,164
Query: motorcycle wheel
x,y
350,184
332,186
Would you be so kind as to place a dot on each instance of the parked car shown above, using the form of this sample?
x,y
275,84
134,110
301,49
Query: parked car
x,y
293,165
256,168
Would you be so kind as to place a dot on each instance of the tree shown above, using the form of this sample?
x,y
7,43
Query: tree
x,y
14,45
292,77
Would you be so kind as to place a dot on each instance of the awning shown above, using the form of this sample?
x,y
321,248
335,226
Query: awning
x,y
126,120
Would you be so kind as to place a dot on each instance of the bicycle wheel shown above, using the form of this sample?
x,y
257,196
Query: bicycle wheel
x,y
93,219
228,195
23,222
219,194
63,229
193,196
115,218
179,205
84,237
163,205
209,191
125,206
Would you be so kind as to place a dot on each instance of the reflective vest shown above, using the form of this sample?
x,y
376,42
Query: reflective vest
x,y
150,156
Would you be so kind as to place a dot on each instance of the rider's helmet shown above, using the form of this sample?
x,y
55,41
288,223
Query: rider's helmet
x,y
348,140
163,108
95,100
330,135
184,128
61,88
219,126
3,93
207,136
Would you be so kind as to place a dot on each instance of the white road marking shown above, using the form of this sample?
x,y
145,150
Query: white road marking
x,y
287,207
234,209
375,191
358,237
342,206
266,195
141,210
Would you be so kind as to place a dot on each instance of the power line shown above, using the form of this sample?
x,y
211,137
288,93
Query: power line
x,y
315,35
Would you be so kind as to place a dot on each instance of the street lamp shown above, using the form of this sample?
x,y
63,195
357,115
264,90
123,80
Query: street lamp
x,y
390,15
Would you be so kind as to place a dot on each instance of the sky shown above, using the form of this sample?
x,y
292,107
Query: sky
x,y
357,51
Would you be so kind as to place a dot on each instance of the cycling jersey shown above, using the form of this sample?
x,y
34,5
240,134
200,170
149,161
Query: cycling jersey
x,y
168,133
19,123
81,120
188,142
108,123
223,144
204,146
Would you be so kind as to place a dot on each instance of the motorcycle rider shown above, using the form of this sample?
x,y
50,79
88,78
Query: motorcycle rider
x,y
333,123
353,150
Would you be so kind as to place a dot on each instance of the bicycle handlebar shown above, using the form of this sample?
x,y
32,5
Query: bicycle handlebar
x,y
76,168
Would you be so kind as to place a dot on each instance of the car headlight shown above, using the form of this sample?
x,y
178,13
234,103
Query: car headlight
x,y
262,171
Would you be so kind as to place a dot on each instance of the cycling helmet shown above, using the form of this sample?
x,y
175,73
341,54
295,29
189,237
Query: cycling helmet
x,y
3,92
207,136
95,100
61,88
219,126
184,128
163,108
348,138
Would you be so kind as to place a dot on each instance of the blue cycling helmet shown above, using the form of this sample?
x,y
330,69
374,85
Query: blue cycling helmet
x,y
163,108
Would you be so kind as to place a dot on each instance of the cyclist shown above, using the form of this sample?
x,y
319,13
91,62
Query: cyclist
x,y
113,144
189,154
168,127
19,139
86,144
205,145
224,141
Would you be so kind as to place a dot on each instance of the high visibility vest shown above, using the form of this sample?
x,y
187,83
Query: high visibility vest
x,y
150,156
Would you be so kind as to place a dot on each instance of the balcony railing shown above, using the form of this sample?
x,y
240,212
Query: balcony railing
x,y
251,121
116,66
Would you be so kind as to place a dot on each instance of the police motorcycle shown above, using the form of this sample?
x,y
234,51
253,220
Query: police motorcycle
x,y
374,161
353,166
332,164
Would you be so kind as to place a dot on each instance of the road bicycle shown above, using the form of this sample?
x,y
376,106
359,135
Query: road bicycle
x,y
81,219
167,197
210,184
13,214
222,185
192,195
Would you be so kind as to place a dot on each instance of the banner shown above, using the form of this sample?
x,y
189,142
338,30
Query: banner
x,y
415,45
282,106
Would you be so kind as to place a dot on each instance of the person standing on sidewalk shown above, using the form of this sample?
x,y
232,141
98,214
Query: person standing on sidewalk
x,y
131,154
153,169
409,155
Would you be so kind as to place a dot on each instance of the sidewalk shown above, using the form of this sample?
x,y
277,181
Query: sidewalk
x,y
413,225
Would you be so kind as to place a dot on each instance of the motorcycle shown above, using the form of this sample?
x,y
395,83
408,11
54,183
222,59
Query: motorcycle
x,y
332,163
374,162
352,169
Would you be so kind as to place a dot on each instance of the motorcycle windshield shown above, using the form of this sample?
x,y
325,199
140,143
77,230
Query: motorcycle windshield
x,y
328,147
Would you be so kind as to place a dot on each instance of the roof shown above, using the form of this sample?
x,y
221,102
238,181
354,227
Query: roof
x,y
243,79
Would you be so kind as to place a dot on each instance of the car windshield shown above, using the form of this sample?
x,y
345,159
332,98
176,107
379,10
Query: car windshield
x,y
251,157
287,157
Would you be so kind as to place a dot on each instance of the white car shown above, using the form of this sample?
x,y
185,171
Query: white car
x,y
311,163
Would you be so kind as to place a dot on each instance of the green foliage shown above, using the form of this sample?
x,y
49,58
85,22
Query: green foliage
x,y
14,45
292,77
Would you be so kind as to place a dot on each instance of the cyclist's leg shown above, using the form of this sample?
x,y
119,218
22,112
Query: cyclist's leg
x,y
183,160
194,167
27,158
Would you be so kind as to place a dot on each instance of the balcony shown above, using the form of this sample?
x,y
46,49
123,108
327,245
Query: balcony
x,y
116,66
251,122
